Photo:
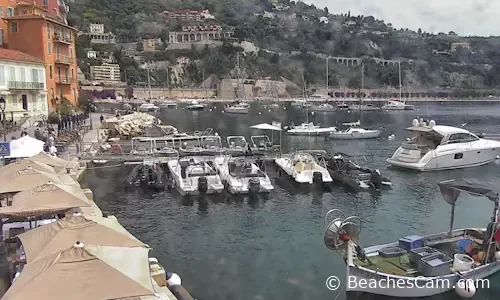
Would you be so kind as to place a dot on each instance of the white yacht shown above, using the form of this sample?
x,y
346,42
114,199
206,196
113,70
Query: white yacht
x,y
437,147
195,105
237,108
355,133
324,107
168,105
242,177
363,107
396,104
192,176
303,167
148,107
310,129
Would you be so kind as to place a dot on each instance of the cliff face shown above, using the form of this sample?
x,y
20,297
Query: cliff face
x,y
283,38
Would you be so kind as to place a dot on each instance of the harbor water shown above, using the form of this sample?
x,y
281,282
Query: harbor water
x,y
228,248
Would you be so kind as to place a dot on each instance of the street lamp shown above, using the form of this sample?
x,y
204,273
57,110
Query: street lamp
x,y
2,108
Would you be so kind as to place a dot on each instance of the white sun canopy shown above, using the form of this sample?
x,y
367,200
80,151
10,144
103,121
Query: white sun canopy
x,y
25,147
265,126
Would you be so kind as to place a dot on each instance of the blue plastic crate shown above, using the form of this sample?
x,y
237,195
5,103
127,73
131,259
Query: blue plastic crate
x,y
411,242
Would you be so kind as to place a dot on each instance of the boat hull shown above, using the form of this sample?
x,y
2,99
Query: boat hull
x,y
432,161
354,135
304,177
195,107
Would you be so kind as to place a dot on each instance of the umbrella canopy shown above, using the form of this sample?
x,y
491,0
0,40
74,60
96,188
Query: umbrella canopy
x,y
57,163
26,179
265,126
45,198
51,238
85,272
11,168
25,147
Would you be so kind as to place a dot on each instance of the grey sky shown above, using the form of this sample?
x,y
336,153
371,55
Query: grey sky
x,y
465,17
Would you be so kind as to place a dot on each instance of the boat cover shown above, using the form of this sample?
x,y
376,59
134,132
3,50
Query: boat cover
x,y
450,189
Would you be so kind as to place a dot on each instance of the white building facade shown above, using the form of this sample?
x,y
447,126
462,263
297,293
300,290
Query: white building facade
x,y
22,85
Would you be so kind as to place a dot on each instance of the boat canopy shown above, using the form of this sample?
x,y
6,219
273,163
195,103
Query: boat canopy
x,y
451,189
265,126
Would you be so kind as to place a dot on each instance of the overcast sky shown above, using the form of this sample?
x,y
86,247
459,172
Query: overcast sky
x,y
465,17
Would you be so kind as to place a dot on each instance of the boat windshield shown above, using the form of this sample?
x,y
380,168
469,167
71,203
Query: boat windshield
x,y
200,170
424,140
237,142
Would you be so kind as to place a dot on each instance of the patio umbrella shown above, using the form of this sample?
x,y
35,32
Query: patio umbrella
x,y
44,199
51,238
26,179
85,272
23,164
25,146
59,164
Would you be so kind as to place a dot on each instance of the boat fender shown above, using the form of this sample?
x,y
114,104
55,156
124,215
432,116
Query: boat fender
x,y
202,184
465,288
173,279
497,255
180,292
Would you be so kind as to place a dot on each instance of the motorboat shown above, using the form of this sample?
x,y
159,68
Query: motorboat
x,y
310,129
260,143
300,103
148,107
342,106
236,145
363,107
324,107
168,105
164,149
212,145
126,106
438,147
305,168
242,177
141,147
195,105
346,170
237,108
353,133
191,147
193,176
396,104
271,106
421,266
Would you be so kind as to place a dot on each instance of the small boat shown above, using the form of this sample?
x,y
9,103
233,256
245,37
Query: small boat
x,y
396,104
165,149
126,106
242,177
168,105
271,106
236,145
421,266
260,143
324,107
148,107
195,105
345,169
301,103
438,147
310,129
237,108
191,147
363,107
305,168
354,133
212,145
99,162
342,106
193,176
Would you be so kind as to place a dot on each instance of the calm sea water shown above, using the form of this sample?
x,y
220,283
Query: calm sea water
x,y
272,248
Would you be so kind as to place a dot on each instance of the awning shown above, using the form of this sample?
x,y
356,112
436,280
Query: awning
x,y
55,162
85,272
265,126
26,179
23,164
450,189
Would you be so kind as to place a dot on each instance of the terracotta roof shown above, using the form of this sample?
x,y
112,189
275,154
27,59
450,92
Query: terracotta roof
x,y
9,54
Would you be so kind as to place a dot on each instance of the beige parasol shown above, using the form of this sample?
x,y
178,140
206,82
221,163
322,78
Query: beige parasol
x,y
44,199
19,165
60,165
52,238
26,179
85,272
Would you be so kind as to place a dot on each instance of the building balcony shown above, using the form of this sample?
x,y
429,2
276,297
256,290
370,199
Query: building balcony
x,y
24,85
65,80
64,59
58,38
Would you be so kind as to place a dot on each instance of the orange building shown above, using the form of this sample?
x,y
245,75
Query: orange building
x,y
35,31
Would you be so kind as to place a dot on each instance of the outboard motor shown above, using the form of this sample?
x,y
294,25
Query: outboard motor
x,y
376,179
151,178
202,184
317,178
254,185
